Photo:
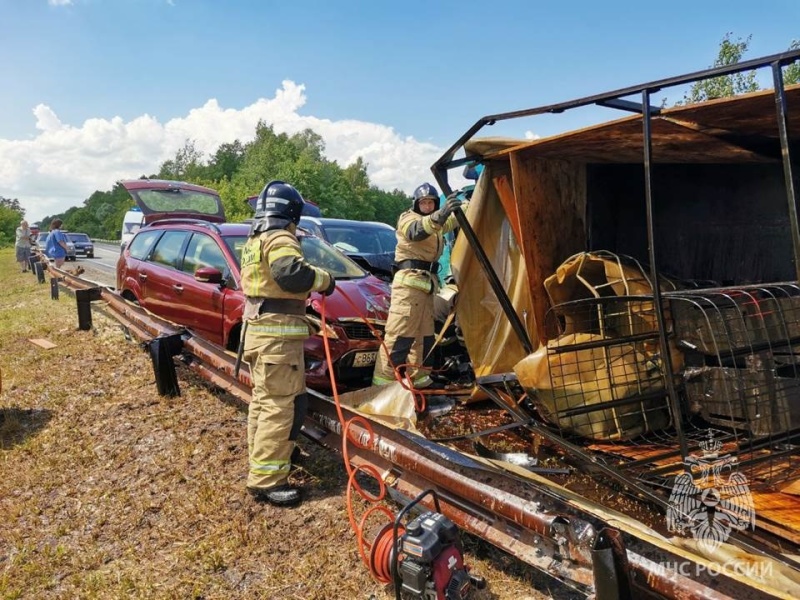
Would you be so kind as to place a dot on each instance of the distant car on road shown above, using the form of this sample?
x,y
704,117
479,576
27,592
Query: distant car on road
x,y
370,243
41,243
83,245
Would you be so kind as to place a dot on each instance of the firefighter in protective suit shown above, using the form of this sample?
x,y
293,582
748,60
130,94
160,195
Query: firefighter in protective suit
x,y
409,331
276,281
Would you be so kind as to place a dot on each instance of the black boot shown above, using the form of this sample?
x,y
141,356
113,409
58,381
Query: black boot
x,y
279,495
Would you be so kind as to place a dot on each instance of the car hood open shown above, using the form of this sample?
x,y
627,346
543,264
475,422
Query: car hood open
x,y
162,199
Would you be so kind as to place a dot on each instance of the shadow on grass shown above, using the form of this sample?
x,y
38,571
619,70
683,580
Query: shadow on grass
x,y
18,424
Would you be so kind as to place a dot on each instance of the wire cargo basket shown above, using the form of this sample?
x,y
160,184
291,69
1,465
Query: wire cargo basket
x,y
600,375
742,348
603,380
733,354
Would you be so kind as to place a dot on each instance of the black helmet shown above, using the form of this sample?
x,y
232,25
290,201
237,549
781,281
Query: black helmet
x,y
426,190
279,199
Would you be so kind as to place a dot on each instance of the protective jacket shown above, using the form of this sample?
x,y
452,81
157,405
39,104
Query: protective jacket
x,y
273,268
409,329
419,239
276,280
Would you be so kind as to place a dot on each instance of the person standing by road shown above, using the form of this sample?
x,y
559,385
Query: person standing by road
x,y
56,247
22,244
409,330
276,280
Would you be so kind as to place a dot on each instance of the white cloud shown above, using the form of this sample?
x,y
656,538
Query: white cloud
x,y
529,135
63,164
59,2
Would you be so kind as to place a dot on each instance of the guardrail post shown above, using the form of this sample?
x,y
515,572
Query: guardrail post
x,y
162,349
39,267
84,299
610,566
32,261
54,288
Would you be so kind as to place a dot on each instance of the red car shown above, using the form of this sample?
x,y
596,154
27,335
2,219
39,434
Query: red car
x,y
183,265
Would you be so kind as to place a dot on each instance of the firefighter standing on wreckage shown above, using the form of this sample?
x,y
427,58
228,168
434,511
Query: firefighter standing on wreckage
x,y
276,281
409,328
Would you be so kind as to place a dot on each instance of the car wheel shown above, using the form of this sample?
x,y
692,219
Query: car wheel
x,y
90,256
130,297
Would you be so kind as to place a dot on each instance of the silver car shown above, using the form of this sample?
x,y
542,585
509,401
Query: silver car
x,y
41,242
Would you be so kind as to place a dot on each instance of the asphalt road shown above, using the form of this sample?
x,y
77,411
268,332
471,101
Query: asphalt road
x,y
103,267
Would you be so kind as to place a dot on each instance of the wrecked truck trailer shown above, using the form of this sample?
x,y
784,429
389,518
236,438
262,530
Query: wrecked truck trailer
x,y
592,360
629,291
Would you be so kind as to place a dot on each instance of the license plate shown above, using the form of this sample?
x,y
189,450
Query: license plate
x,y
365,359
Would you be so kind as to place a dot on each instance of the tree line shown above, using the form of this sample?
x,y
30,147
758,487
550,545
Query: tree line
x,y
238,170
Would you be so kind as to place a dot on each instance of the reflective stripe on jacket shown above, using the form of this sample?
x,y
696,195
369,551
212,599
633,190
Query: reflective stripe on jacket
x,y
419,238
273,267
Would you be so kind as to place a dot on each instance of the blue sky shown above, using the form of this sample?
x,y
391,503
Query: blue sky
x,y
98,90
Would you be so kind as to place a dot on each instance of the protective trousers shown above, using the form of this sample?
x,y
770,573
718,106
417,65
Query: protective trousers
x,y
408,336
277,408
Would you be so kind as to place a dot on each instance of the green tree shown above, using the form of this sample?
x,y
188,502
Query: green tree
x,y
9,221
186,166
388,205
730,53
226,161
791,74
238,171
297,159
13,204
234,198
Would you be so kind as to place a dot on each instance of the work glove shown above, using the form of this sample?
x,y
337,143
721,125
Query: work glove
x,y
332,286
450,204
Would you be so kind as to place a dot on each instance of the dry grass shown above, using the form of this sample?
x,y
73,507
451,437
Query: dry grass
x,y
109,491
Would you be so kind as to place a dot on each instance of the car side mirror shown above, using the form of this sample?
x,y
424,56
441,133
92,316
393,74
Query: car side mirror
x,y
208,275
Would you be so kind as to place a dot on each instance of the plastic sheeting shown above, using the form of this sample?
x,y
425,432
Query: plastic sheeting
x,y
491,342
390,404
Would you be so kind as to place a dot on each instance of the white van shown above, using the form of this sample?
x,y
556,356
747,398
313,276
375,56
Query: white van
x,y
130,225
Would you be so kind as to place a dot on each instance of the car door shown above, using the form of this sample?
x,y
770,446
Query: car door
x,y
203,303
160,278
132,263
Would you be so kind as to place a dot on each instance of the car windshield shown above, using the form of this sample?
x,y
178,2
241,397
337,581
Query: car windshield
x,y
363,238
42,238
78,237
315,251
